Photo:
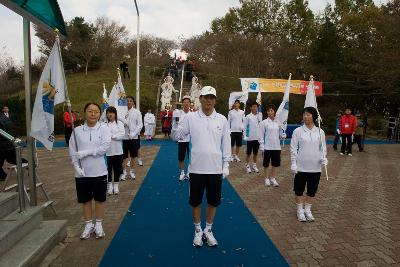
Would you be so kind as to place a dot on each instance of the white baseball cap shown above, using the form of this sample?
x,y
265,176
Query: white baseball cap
x,y
186,97
208,90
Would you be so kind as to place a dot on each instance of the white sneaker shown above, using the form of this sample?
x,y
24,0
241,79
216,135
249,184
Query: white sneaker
x,y
132,175
255,168
237,158
123,176
267,182
182,176
248,169
198,238
87,231
140,162
350,155
209,237
128,164
341,154
116,188
274,182
309,215
109,188
99,230
300,216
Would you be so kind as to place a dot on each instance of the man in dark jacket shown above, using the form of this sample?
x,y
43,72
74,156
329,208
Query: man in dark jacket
x,y
7,150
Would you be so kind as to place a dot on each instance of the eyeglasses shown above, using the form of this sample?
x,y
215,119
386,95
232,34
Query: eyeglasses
x,y
93,111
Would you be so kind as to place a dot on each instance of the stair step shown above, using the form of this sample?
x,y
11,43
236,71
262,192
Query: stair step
x,y
15,186
34,247
8,203
16,225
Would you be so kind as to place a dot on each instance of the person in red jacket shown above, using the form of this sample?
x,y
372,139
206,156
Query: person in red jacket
x,y
68,125
166,120
347,128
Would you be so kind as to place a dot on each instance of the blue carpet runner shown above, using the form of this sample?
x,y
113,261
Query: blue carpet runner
x,y
158,230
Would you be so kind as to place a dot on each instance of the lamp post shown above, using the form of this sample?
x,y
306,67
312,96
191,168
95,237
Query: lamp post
x,y
137,60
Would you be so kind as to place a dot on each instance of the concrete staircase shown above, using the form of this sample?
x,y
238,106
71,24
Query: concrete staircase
x,y
25,239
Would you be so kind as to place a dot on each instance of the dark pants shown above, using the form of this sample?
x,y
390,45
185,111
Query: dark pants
x,y
114,163
11,158
67,134
346,143
336,140
358,140
126,72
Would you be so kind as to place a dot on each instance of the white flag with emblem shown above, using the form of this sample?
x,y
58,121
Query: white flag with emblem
x,y
241,96
283,111
50,92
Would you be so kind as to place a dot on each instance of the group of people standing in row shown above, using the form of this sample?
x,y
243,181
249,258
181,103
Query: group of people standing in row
x,y
210,140
307,150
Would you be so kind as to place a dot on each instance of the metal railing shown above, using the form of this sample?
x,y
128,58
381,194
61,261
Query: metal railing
x,y
20,175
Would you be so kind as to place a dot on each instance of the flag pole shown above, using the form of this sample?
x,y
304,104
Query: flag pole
x,y
319,128
67,100
28,111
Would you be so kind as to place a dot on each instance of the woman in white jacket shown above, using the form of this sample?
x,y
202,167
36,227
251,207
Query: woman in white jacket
x,y
270,134
115,155
87,152
149,124
308,153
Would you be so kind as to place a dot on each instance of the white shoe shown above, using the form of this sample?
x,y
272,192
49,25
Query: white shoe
x,y
109,188
267,182
182,176
123,176
116,188
99,230
350,155
132,175
209,237
341,154
237,158
309,215
89,229
274,182
198,238
128,164
300,216
255,168
248,169
140,162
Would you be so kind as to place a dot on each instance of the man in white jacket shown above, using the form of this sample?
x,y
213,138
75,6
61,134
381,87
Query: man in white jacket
x,y
183,144
235,122
251,131
209,160
131,143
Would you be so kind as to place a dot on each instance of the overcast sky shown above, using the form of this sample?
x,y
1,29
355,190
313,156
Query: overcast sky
x,y
169,19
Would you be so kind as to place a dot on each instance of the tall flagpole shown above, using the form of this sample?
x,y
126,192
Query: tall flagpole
x,y
67,100
28,111
319,128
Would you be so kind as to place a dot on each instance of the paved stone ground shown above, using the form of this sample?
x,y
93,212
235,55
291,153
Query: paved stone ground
x,y
56,173
357,211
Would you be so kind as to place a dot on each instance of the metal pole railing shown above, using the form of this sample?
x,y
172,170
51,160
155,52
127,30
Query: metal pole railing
x,y
20,176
